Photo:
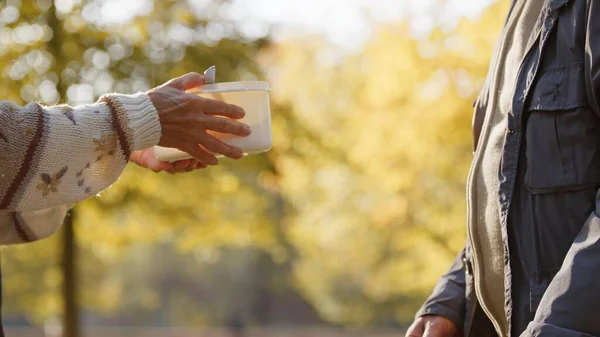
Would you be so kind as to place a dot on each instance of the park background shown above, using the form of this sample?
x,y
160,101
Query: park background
x,y
342,229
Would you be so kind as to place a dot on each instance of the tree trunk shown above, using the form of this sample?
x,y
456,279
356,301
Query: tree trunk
x,y
69,249
69,267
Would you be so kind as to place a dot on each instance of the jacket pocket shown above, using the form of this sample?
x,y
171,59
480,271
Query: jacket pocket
x,y
562,133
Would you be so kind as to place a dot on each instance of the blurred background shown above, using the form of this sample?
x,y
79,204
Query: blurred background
x,y
342,229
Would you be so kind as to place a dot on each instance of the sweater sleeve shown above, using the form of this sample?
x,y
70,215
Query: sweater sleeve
x,y
53,157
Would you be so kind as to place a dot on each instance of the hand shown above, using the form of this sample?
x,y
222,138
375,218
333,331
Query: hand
x,y
146,158
186,118
433,326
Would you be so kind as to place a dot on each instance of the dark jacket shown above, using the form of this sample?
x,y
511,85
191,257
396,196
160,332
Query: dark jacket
x,y
549,180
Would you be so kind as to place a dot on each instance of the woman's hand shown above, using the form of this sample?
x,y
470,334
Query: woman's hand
x,y
186,118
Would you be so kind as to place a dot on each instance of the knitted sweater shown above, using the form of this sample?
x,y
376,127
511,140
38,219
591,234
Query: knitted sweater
x,y
53,157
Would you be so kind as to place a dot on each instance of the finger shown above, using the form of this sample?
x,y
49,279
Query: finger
x,y
187,82
167,167
224,125
181,165
160,166
216,146
432,330
148,160
157,166
429,333
219,108
201,155
200,165
416,329
191,165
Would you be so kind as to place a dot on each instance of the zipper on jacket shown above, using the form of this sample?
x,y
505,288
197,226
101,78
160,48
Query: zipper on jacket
x,y
474,168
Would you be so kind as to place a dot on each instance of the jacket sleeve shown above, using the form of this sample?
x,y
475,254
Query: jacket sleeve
x,y
571,303
53,157
448,297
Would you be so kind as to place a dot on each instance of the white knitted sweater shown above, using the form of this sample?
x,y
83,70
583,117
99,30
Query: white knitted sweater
x,y
53,157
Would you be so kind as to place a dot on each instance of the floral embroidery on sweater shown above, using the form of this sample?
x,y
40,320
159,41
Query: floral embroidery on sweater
x,y
81,179
50,183
107,141
28,131
68,112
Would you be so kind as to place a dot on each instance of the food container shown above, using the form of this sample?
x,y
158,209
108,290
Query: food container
x,y
253,97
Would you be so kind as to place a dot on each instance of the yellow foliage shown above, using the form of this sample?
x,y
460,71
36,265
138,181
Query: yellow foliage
x,y
378,186
361,199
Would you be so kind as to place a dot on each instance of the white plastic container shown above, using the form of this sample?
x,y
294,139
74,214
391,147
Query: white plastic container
x,y
253,97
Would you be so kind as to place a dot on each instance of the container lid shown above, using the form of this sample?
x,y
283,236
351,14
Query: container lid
x,y
232,87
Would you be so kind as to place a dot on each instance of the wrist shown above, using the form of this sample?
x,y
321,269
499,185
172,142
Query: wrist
x,y
136,120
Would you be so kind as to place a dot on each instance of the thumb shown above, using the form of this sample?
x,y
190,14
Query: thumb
x,y
146,158
416,329
187,82
434,330
430,331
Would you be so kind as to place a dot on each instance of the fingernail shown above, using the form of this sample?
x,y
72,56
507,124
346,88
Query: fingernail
x,y
247,129
214,161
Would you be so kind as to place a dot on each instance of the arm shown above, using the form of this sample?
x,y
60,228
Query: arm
x,y
448,297
52,157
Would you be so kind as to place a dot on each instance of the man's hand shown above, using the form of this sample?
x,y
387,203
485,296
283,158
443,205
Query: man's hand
x,y
433,326
146,158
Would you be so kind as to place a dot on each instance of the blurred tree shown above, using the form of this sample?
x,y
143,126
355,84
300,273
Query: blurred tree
x,y
93,47
378,183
